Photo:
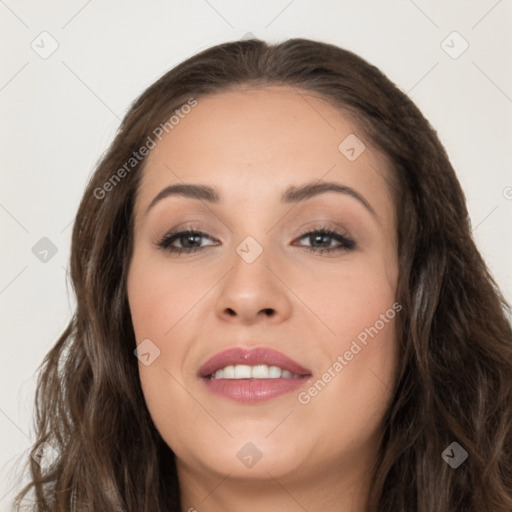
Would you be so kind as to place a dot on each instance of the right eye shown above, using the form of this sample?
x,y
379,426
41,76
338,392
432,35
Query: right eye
x,y
187,237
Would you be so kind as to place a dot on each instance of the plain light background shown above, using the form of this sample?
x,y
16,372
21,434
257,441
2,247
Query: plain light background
x,y
60,112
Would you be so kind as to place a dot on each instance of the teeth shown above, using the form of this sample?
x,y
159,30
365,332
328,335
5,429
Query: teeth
x,y
274,372
259,371
242,371
218,374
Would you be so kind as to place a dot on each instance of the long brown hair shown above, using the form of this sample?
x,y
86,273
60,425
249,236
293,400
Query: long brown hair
x,y
454,382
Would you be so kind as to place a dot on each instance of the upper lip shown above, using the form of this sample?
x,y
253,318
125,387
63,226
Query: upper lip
x,y
251,357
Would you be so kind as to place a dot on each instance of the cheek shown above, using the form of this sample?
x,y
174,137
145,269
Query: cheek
x,y
163,303
350,297
356,380
159,302
161,296
355,389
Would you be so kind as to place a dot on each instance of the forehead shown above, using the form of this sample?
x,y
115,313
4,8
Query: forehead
x,y
257,142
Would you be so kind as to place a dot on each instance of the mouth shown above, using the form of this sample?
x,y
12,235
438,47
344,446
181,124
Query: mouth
x,y
252,375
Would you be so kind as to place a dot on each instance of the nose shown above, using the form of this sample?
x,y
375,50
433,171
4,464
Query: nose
x,y
253,292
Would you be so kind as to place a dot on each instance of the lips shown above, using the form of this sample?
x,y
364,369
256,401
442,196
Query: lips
x,y
251,357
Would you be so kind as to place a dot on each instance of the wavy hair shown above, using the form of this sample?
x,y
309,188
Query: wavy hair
x,y
454,379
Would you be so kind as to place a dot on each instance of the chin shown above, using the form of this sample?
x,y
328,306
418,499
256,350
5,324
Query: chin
x,y
247,457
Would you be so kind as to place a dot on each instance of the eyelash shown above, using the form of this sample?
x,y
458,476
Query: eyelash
x,y
347,244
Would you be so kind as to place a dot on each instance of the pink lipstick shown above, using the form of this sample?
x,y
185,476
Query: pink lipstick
x,y
252,375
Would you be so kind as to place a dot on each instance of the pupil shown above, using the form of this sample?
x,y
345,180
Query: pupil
x,y
190,237
317,237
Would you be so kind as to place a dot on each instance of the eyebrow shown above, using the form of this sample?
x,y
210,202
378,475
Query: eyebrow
x,y
290,195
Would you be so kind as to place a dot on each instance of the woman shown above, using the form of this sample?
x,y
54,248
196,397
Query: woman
x,y
280,305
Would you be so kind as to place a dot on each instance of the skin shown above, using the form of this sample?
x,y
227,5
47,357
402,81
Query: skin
x,y
251,144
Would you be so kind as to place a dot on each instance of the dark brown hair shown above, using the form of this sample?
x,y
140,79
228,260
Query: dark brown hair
x,y
454,382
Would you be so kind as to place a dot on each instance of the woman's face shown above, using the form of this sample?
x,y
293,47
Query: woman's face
x,y
256,281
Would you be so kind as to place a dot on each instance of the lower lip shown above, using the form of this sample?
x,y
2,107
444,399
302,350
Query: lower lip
x,y
253,390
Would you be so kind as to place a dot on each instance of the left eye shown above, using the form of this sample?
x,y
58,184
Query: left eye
x,y
189,238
